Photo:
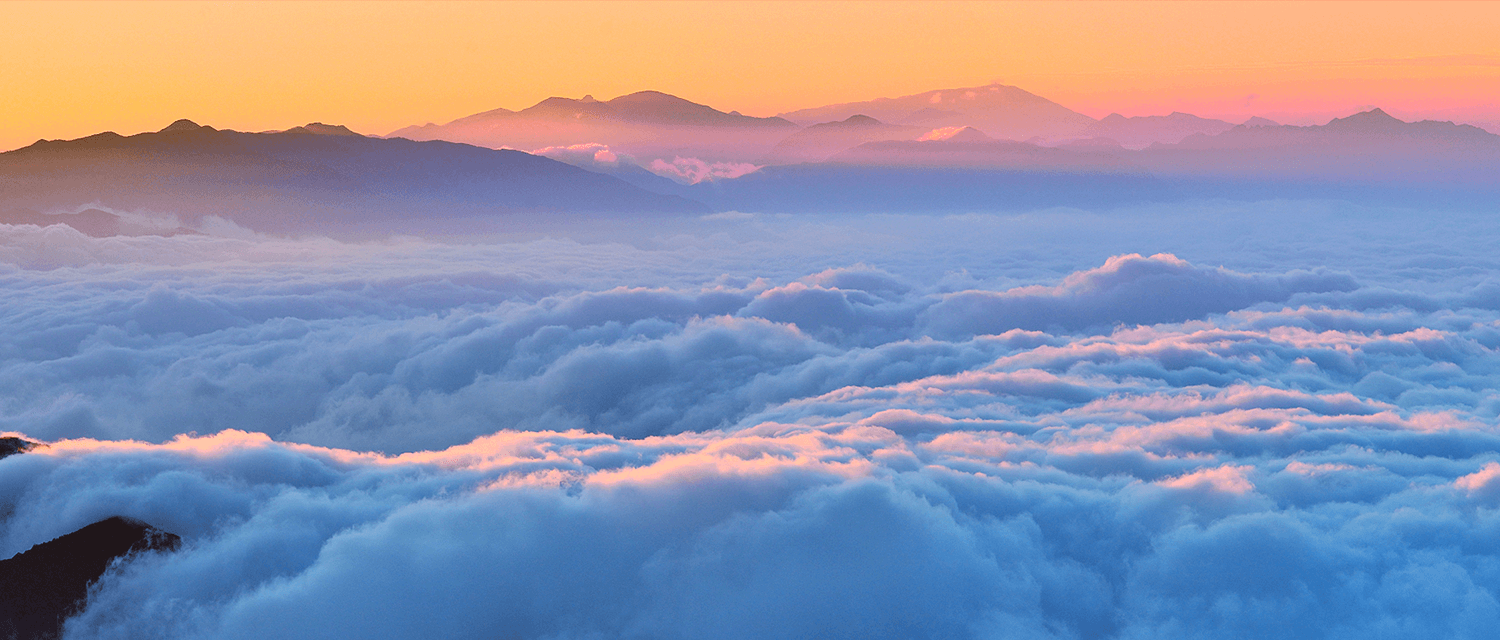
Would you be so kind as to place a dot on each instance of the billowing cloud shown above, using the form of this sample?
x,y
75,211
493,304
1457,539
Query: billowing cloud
x,y
762,426
1128,289
693,170
584,155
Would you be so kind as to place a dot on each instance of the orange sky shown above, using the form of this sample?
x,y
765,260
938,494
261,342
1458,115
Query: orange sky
x,y
77,68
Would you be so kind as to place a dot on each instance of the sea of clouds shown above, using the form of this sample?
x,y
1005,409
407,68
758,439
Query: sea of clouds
x,y
1211,420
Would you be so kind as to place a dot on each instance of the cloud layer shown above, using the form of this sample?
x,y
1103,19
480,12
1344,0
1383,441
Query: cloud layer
x,y
764,427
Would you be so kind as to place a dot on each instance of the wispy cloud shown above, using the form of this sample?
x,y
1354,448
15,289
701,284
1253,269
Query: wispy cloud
x,y
693,170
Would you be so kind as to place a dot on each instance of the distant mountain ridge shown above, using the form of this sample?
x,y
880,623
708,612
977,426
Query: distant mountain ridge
x,y
819,141
320,129
320,175
1374,126
657,131
653,107
1143,131
647,124
272,180
1001,111
1366,157
968,148
1366,147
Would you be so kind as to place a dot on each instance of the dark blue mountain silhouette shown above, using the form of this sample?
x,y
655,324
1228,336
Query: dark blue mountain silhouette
x,y
291,175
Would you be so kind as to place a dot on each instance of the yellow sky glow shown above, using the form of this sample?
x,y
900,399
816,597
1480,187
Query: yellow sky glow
x,y
77,68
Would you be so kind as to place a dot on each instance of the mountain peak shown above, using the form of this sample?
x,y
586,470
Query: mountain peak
x,y
650,97
320,129
664,108
555,101
1366,120
1257,121
956,134
857,121
183,125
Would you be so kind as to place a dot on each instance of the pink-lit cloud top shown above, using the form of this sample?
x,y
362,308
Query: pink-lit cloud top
x,y
712,432
823,320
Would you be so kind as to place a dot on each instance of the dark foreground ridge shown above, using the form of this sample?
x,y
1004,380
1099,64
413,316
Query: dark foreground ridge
x,y
41,587
11,445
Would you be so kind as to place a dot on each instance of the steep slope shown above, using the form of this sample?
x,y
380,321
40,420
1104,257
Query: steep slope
x,y
11,445
41,587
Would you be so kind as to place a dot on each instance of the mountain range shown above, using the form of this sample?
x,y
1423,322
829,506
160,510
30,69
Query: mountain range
x,y
1367,147
1000,111
645,124
307,177
1143,131
650,153
970,148
658,132
818,142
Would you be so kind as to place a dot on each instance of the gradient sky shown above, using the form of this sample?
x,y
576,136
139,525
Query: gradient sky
x,y
81,67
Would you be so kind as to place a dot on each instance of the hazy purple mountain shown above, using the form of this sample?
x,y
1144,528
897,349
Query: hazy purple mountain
x,y
955,134
969,148
929,116
646,124
620,166
1141,131
1373,129
318,128
999,110
1092,145
951,169
326,177
317,176
1369,157
41,587
819,141
1370,146
644,107
993,154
